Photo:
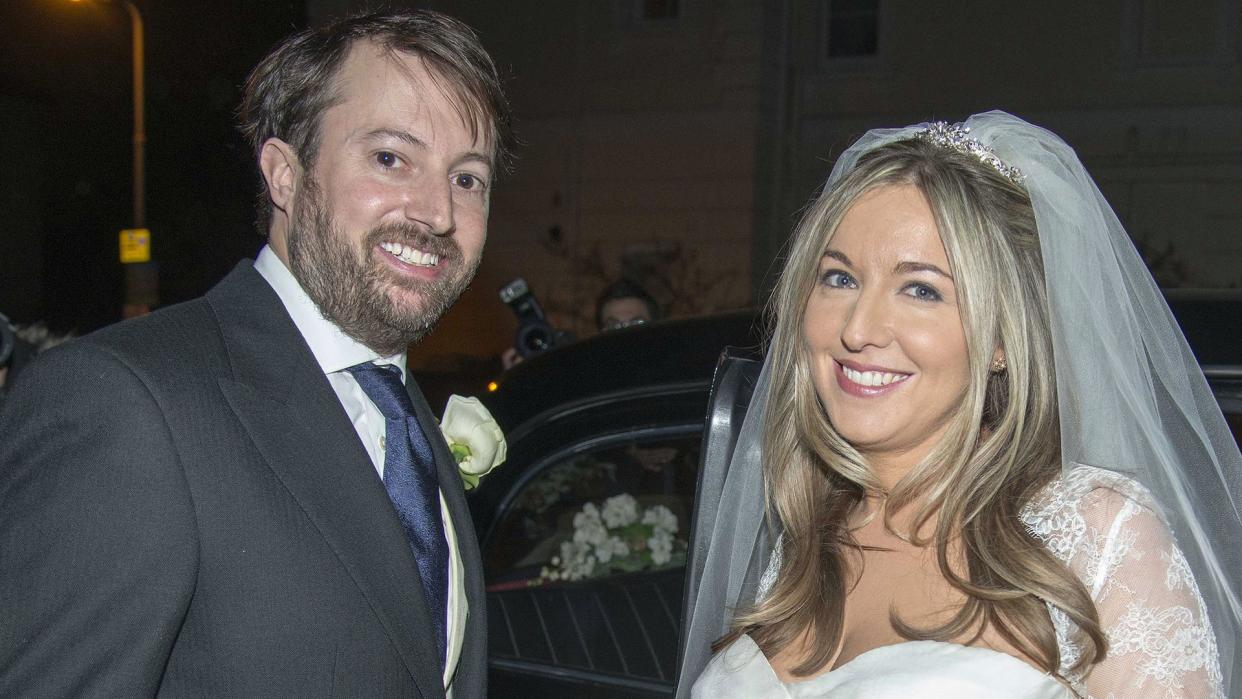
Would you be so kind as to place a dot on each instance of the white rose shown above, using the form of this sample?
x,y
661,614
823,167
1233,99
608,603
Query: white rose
x,y
660,517
620,510
613,547
603,552
590,532
661,546
576,561
588,515
473,436
588,529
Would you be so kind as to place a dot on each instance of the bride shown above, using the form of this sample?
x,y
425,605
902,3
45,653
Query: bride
x,y
989,463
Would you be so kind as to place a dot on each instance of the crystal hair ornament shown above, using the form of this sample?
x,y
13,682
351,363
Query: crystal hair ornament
x,y
957,137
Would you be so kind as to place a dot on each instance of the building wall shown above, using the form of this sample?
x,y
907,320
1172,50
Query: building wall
x,y
637,156
638,150
1148,93
684,149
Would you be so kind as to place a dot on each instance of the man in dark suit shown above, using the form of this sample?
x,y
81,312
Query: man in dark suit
x,y
229,497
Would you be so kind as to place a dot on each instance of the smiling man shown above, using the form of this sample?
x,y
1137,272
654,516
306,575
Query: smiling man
x,y
245,495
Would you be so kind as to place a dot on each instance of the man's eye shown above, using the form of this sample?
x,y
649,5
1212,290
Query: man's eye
x,y
387,158
467,181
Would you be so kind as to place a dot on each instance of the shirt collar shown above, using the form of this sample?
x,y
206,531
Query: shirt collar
x,y
333,349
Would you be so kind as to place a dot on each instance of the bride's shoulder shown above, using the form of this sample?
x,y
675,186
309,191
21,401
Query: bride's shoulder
x,y
1078,505
1089,489
1111,533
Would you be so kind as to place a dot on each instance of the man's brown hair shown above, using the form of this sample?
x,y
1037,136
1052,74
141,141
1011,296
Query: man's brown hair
x,y
288,92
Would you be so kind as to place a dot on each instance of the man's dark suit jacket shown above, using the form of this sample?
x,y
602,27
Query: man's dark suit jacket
x,y
185,509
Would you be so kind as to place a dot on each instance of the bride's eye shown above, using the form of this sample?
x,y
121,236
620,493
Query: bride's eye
x,y
837,279
923,292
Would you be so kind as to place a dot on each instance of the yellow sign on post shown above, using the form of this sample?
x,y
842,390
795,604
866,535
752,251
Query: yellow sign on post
x,y
135,245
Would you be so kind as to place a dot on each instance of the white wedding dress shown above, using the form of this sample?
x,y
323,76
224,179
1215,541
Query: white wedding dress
x,y
1106,528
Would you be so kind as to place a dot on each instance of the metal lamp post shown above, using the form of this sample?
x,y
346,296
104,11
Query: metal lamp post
x,y
141,279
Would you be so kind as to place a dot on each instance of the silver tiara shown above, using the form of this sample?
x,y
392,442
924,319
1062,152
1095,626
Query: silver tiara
x,y
957,137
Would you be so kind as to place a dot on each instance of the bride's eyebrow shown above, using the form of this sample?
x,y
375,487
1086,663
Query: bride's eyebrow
x,y
838,256
908,267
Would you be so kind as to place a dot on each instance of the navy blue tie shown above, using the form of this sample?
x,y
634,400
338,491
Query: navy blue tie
x,y
410,478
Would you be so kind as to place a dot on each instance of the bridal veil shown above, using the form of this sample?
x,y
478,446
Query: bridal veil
x,y
1131,395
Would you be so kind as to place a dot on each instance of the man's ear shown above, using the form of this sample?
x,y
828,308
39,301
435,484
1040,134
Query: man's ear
x,y
281,170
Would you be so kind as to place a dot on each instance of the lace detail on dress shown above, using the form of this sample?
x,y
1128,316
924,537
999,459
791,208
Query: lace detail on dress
x,y
1107,529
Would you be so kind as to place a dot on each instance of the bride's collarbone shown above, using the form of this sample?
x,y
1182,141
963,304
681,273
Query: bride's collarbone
x,y
896,578
904,581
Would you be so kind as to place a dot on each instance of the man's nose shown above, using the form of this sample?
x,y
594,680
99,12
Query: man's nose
x,y
868,323
430,203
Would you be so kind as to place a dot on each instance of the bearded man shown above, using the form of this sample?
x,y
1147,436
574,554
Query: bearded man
x,y
245,495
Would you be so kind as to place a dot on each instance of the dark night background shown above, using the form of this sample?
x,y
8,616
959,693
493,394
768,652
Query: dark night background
x,y
65,104
675,139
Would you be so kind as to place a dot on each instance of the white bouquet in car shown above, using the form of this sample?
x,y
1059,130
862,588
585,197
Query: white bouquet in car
x,y
618,538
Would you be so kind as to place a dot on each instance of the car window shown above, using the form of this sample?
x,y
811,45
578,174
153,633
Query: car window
x,y
622,506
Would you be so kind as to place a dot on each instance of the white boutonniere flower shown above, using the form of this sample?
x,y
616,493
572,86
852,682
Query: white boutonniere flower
x,y
473,436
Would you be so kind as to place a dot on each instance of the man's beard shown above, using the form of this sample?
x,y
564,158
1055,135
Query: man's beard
x,y
351,288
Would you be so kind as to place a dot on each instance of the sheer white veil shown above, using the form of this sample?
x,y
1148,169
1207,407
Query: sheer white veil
x,y
1132,399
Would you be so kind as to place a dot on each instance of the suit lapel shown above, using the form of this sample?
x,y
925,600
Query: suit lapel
x,y
285,402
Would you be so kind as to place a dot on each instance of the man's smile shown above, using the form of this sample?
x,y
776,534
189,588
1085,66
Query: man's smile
x,y
410,255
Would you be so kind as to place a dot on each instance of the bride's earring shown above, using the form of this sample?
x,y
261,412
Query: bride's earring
x,y
999,366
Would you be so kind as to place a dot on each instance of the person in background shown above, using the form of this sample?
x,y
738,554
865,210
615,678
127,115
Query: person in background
x,y
246,495
622,304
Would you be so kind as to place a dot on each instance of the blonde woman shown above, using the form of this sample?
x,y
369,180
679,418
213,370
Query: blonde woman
x,y
985,458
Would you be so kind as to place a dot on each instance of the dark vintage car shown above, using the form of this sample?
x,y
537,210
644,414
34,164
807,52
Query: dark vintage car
x,y
617,414
622,414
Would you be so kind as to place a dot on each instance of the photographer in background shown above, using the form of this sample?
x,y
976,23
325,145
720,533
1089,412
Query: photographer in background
x,y
622,304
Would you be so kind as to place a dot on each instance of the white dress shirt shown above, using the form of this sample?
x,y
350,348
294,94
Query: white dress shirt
x,y
335,352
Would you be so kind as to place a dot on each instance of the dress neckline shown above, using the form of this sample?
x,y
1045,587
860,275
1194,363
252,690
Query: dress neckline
x,y
878,651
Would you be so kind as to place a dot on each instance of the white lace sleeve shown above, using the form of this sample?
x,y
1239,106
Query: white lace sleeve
x,y
1106,528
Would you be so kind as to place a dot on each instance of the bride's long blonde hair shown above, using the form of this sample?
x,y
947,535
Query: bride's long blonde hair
x,y
1001,448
